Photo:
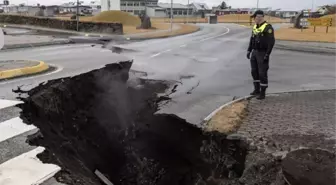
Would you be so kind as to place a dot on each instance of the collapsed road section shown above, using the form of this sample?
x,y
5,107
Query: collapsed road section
x,y
105,121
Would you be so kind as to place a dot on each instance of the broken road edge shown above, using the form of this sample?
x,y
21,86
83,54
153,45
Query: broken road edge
x,y
12,73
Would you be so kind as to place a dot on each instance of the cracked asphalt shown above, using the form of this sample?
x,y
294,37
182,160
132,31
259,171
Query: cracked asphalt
x,y
213,59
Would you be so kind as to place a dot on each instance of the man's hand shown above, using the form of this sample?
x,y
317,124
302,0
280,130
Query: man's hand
x,y
266,58
248,55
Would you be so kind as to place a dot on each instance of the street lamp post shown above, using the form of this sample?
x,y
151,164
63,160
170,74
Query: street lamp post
x,y
77,16
171,15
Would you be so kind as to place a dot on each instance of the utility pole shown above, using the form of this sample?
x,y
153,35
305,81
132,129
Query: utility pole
x,y
257,4
171,15
145,7
188,13
312,6
77,17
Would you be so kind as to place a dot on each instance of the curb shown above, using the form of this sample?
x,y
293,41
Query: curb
x,y
95,35
208,118
27,45
42,29
160,37
306,50
42,66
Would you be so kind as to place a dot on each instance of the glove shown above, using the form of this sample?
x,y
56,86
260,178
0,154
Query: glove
x,y
248,56
266,58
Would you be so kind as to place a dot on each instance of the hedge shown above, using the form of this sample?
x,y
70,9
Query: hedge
x,y
115,28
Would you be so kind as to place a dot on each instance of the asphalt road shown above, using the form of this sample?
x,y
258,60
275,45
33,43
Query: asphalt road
x,y
211,65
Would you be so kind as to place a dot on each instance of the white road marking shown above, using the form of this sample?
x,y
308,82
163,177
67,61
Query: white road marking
x,y
59,68
168,50
26,169
155,55
105,50
228,31
184,45
8,103
13,127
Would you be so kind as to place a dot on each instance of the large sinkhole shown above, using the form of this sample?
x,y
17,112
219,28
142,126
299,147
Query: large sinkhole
x,y
104,120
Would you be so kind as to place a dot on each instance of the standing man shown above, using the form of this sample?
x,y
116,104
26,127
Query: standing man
x,y
261,45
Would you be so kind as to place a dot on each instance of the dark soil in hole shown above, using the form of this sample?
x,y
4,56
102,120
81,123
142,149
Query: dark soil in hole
x,y
98,120
309,167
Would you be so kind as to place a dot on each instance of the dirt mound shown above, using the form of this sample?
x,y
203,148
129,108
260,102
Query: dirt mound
x,y
309,167
117,17
104,120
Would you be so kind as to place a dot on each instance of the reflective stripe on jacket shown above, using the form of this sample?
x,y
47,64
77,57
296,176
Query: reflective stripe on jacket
x,y
259,30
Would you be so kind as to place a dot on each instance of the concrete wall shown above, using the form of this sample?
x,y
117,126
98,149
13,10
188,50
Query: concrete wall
x,y
115,28
160,13
152,12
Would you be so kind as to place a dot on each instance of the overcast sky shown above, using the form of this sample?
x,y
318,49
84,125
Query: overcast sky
x,y
283,4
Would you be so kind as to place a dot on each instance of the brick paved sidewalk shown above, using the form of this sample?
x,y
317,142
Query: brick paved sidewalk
x,y
284,122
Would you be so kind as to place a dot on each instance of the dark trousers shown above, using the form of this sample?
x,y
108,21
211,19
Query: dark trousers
x,y
259,68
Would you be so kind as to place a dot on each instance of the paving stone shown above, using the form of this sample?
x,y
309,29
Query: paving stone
x,y
292,120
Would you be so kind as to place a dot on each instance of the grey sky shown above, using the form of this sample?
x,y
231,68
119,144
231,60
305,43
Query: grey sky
x,y
283,4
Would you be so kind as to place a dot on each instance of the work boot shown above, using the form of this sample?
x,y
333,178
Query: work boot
x,y
262,94
256,89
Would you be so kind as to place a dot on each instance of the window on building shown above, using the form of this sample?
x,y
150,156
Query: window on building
x,y
123,3
136,12
130,11
136,3
129,3
185,12
180,12
174,12
142,4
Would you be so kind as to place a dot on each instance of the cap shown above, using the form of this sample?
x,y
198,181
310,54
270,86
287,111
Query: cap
x,y
258,12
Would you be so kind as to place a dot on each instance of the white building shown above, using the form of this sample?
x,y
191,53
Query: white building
x,y
22,10
156,11
110,5
134,7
